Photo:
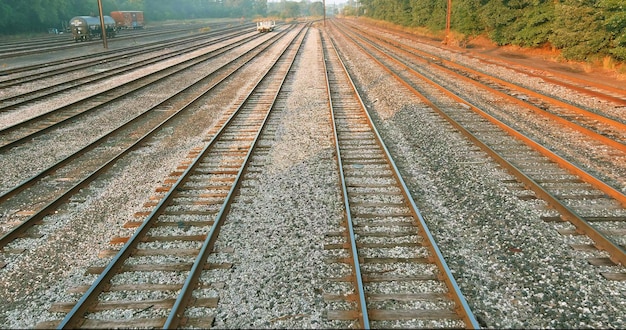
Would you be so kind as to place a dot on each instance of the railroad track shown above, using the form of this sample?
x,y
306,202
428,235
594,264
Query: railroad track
x,y
594,208
74,79
57,184
36,72
603,136
591,122
35,45
16,49
570,82
399,277
192,209
267,265
26,130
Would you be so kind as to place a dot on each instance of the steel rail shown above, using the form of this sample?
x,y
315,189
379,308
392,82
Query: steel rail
x,y
91,78
74,318
586,131
104,57
454,291
174,319
358,278
599,184
121,89
64,43
51,206
29,182
83,44
617,253
528,70
550,99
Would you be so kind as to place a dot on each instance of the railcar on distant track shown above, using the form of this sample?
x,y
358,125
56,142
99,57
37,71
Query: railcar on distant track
x,y
265,26
128,19
87,28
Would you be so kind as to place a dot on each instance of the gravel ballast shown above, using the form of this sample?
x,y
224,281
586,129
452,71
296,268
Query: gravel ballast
x,y
515,270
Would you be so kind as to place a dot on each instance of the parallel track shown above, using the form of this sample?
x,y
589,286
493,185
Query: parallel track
x,y
601,127
70,84
579,197
16,49
198,201
26,130
23,74
408,284
61,181
569,81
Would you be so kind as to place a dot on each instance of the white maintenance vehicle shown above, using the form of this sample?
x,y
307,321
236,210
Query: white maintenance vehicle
x,y
265,26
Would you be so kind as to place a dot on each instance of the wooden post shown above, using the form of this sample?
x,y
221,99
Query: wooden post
x,y
103,29
324,5
448,12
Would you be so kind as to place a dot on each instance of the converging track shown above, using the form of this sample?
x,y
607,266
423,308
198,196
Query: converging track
x,y
57,184
326,174
204,189
596,207
399,275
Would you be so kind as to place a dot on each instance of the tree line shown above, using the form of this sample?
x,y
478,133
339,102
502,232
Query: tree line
x,y
581,29
32,16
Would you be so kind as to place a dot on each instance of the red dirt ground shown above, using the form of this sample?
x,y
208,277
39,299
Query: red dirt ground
x,y
549,60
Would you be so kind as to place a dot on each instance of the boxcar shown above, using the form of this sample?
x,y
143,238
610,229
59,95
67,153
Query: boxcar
x,y
85,28
128,19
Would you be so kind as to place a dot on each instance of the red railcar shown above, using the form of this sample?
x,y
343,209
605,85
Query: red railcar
x,y
129,19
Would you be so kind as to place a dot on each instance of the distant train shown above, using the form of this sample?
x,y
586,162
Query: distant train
x,y
86,28
130,19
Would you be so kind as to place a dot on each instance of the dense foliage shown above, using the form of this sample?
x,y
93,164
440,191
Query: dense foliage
x,y
582,29
24,16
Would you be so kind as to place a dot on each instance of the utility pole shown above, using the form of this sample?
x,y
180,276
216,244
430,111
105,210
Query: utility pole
x,y
449,11
324,5
103,30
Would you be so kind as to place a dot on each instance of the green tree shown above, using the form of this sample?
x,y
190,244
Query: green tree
x,y
518,22
316,9
291,9
465,17
579,30
615,25
422,12
260,7
582,29
38,15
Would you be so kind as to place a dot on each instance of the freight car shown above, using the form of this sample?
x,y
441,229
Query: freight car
x,y
128,19
86,28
